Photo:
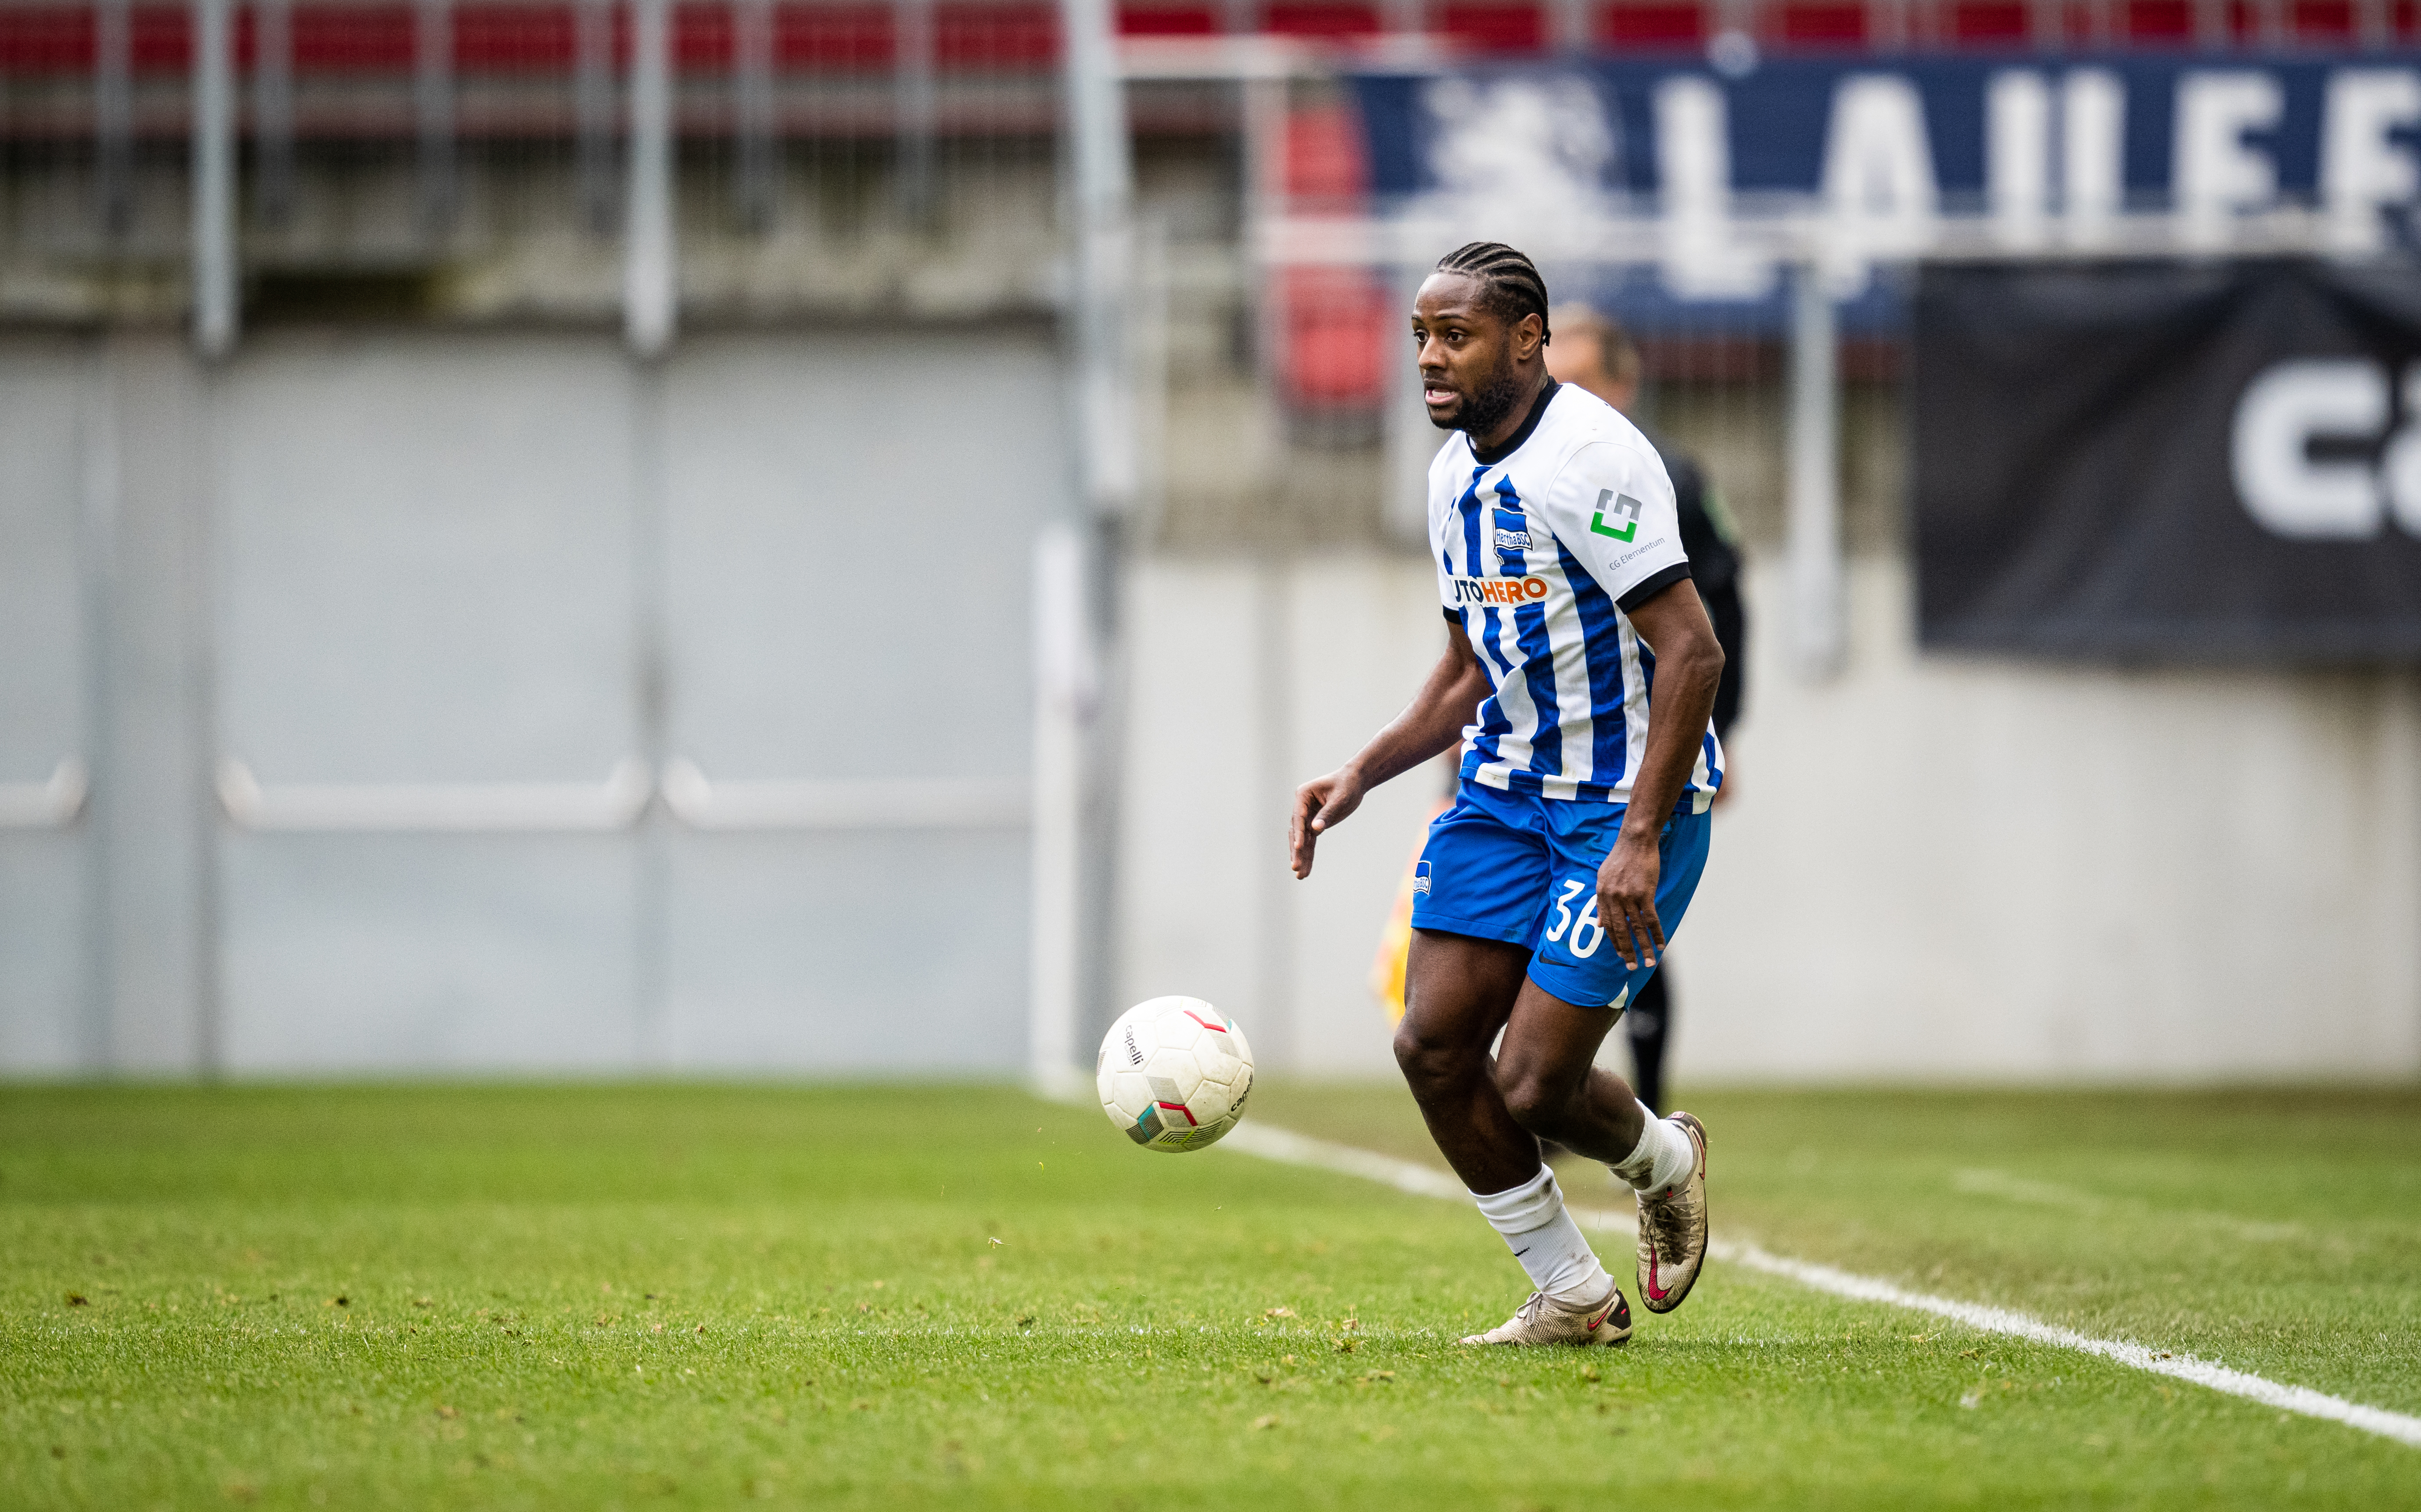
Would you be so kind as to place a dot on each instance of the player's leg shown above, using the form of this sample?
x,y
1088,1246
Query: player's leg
x,y
1457,991
1646,1023
1476,925
1547,1074
1546,1066
1476,895
1552,1089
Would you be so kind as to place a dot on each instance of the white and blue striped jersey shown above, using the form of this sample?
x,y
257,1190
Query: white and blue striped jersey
x,y
1537,553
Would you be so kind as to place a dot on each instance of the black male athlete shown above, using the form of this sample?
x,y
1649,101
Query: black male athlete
x,y
1579,676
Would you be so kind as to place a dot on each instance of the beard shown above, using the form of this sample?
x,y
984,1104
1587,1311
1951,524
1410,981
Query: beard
x,y
1485,410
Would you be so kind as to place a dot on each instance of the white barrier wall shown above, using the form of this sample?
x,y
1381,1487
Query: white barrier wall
x,y
370,639
1248,676
1932,868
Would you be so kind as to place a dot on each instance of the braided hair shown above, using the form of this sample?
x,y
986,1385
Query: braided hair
x,y
1510,282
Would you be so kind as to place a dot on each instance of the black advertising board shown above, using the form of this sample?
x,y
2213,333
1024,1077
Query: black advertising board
x,y
2171,462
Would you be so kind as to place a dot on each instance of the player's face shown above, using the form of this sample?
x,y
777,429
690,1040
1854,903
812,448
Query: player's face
x,y
1469,357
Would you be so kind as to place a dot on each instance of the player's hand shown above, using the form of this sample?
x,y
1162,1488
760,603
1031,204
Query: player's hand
x,y
1626,899
1320,804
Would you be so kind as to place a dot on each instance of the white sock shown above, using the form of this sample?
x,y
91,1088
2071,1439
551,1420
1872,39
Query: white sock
x,y
1664,1158
1544,1238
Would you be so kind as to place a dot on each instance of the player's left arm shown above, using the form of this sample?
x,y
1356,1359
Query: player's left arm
x,y
1689,667
1613,505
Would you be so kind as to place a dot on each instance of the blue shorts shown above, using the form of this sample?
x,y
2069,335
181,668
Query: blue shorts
x,y
1523,870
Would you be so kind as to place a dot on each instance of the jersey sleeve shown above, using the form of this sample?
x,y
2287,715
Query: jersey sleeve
x,y
1612,505
1438,512
1446,605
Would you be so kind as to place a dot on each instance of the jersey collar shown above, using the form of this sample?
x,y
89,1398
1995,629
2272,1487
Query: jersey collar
x,y
1513,444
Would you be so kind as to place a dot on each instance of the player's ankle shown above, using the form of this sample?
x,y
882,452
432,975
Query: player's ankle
x,y
1545,1242
1663,1157
1586,1290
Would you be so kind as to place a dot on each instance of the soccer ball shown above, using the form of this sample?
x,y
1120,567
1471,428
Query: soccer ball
x,y
1173,1074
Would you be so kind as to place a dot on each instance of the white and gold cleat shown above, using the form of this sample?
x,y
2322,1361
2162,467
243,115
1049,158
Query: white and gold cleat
x,y
1598,1325
1673,1228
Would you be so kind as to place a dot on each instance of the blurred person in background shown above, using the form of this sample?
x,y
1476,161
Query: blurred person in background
x,y
1593,351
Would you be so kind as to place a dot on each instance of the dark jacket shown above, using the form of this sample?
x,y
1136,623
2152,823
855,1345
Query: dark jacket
x,y
1712,543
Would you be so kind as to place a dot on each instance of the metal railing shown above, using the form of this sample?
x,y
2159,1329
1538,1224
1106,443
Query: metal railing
x,y
618,803
678,139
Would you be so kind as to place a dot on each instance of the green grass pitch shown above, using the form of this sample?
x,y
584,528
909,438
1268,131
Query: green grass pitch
x,y
635,1296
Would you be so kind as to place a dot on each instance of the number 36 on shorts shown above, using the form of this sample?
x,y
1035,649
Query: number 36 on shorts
x,y
1586,932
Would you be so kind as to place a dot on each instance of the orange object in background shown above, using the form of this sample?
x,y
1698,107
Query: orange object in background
x,y
1396,940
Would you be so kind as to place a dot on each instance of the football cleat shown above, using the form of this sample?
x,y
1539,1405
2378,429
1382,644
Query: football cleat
x,y
1673,1229
1598,1325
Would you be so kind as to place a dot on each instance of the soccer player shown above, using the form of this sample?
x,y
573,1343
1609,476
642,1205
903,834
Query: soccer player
x,y
1578,675
1597,353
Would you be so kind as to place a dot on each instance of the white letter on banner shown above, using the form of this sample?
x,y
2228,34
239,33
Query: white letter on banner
x,y
2361,168
1526,154
2214,173
2283,408
2093,153
1694,170
2016,167
1694,152
1878,184
2401,465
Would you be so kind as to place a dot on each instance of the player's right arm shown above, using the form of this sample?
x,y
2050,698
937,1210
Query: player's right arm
x,y
1447,702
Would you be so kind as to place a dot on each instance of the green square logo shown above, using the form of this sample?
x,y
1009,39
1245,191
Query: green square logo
x,y
1624,508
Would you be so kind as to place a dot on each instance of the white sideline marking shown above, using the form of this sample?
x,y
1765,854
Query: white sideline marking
x,y
1404,1176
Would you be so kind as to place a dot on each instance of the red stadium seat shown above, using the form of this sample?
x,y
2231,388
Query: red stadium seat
x,y
538,37
1168,20
1325,157
2325,23
1341,20
1824,26
1991,22
46,38
833,39
1336,322
1493,27
2157,21
353,39
1650,26
984,37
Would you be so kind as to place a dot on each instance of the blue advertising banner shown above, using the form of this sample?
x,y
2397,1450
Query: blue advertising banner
x,y
2297,128
1711,182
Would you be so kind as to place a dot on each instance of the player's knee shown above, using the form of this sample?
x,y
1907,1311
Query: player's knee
x,y
1424,1061
1536,1100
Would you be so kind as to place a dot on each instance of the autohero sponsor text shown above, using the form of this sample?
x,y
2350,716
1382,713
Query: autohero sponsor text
x,y
1492,591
